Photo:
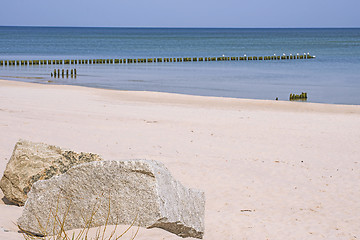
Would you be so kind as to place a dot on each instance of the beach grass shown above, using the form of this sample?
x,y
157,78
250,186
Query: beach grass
x,y
55,226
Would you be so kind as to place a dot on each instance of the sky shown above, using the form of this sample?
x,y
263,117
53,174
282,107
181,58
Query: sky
x,y
181,13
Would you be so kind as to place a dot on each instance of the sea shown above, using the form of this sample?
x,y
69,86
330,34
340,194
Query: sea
x,y
332,77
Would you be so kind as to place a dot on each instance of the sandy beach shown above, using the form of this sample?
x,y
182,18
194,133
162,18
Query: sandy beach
x,y
269,169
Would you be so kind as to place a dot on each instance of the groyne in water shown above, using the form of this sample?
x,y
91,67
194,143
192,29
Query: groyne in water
x,y
150,60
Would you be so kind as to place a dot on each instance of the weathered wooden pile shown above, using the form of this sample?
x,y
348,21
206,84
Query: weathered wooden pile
x,y
57,73
149,60
298,97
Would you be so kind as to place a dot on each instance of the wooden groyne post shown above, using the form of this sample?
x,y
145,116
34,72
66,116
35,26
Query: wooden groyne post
x,y
153,60
298,97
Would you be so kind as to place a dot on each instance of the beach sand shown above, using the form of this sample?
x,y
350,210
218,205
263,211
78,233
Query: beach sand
x,y
269,169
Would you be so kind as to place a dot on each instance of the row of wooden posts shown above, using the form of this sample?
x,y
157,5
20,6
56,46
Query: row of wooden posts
x,y
149,60
57,73
297,97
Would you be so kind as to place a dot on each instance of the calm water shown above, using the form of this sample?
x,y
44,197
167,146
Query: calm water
x,y
333,77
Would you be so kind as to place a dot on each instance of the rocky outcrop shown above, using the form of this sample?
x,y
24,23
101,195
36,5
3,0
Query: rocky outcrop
x,y
31,162
140,190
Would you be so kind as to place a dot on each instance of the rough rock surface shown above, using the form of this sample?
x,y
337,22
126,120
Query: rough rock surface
x,y
31,162
140,190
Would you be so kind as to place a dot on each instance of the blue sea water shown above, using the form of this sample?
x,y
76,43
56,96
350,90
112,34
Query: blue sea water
x,y
332,77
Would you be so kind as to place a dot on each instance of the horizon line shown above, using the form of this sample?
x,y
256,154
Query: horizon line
x,y
163,27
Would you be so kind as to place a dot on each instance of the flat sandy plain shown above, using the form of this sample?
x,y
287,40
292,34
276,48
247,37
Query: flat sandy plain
x,y
269,169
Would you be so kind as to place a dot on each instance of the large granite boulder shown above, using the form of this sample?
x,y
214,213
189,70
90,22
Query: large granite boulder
x,y
31,162
140,190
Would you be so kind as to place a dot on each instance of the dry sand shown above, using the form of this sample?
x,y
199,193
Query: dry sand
x,y
269,169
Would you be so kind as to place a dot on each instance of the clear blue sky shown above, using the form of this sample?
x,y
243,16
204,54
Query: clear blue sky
x,y
181,13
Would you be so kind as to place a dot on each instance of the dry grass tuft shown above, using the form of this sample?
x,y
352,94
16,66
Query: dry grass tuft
x,y
54,222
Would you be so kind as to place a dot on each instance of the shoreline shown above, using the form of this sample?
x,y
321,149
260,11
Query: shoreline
x,y
51,81
270,169
179,97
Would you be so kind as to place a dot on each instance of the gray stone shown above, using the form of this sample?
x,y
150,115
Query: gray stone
x,y
31,162
140,190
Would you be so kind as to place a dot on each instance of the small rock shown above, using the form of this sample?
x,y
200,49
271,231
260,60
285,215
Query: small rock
x,y
4,230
